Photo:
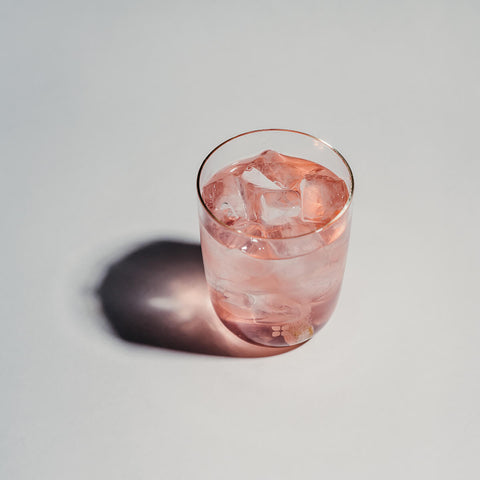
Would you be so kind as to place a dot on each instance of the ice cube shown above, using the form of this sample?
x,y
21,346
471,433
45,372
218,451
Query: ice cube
x,y
281,215
253,184
323,196
255,177
278,308
256,244
287,317
277,206
283,170
224,199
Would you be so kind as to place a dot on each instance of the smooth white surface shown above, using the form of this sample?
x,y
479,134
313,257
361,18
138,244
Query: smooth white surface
x,y
107,111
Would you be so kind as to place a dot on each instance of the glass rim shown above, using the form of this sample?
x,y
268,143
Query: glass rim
x,y
318,230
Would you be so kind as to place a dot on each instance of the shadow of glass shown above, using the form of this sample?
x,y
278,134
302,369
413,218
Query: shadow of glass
x,y
157,295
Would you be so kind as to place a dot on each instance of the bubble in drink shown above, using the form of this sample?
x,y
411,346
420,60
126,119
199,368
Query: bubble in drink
x,y
275,266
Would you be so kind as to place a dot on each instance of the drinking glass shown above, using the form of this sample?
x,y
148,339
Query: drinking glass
x,y
274,291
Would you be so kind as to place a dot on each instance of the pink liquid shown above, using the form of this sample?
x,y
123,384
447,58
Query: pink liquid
x,y
273,278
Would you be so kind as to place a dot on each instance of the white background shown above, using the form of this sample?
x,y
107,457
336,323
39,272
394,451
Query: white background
x,y
108,108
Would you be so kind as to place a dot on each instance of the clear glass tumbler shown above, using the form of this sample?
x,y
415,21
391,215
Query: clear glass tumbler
x,y
274,291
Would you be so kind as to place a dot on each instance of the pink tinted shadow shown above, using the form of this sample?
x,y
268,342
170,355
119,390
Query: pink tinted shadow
x,y
157,295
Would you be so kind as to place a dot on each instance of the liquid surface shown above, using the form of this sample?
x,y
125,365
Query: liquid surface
x,y
275,196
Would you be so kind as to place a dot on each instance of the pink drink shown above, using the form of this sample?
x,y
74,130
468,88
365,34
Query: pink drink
x,y
274,240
